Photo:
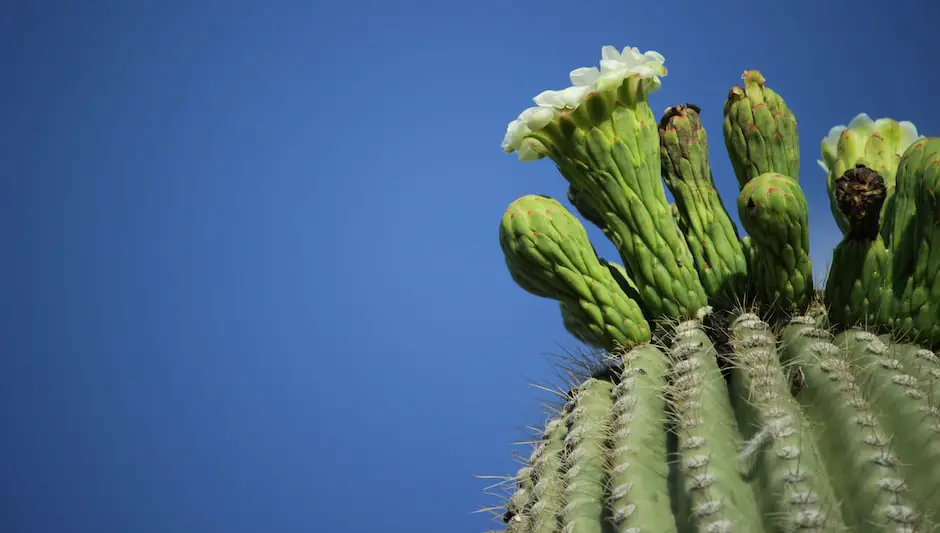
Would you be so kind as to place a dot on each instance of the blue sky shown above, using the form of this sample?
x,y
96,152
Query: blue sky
x,y
252,281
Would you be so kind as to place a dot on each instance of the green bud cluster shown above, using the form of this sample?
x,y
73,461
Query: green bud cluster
x,y
731,395
702,218
760,131
775,213
548,254
885,271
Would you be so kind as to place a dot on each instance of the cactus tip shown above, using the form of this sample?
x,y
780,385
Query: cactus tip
x,y
753,76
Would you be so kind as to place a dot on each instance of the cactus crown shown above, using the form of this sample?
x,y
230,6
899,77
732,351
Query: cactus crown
x,y
729,394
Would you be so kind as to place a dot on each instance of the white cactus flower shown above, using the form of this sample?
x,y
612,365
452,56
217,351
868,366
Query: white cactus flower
x,y
514,132
862,123
569,98
630,57
584,76
531,119
908,135
829,144
865,126
615,67
536,118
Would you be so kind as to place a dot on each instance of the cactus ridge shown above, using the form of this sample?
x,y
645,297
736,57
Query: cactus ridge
x,y
790,428
702,218
728,393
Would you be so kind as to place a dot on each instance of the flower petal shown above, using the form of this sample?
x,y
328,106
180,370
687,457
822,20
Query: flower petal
x,y
609,65
536,118
862,123
833,138
514,134
615,66
609,52
644,71
529,150
612,79
584,75
549,99
655,56
631,56
574,95
908,136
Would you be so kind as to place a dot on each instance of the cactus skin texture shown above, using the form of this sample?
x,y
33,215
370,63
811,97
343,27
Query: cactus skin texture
x,y
608,150
873,144
549,255
774,212
760,131
711,235
891,282
779,407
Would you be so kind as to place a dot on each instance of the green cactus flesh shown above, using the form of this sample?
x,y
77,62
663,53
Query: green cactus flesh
x,y
774,212
711,235
760,131
608,150
815,432
916,250
859,287
876,145
711,490
889,281
549,255
729,393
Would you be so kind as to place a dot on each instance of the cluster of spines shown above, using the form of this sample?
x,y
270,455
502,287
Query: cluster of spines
x,y
603,459
638,468
831,433
780,454
589,424
714,497
904,397
856,447
547,488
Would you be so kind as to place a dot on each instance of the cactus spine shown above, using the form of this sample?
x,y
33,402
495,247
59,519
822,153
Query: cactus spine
x,y
728,394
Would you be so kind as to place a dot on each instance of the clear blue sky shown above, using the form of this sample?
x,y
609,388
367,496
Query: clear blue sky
x,y
251,280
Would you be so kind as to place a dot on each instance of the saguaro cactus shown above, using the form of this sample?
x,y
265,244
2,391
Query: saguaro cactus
x,y
728,394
